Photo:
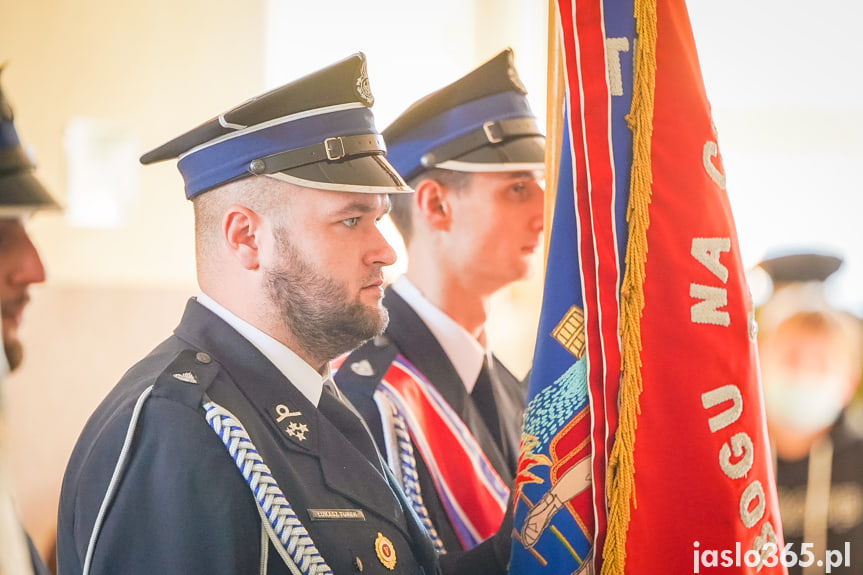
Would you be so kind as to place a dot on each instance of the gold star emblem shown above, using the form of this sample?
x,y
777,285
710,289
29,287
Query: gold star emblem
x,y
297,430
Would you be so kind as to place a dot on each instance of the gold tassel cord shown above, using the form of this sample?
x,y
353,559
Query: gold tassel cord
x,y
621,468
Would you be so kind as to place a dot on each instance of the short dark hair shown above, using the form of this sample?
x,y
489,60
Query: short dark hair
x,y
401,203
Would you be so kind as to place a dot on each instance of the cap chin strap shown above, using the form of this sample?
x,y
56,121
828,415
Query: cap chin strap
x,y
331,149
492,132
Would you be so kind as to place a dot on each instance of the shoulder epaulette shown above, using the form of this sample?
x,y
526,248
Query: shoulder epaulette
x,y
192,367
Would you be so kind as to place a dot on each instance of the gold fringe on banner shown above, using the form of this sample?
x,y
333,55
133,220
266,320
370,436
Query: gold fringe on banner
x,y
621,469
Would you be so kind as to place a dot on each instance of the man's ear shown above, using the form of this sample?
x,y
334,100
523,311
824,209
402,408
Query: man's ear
x,y
431,199
240,228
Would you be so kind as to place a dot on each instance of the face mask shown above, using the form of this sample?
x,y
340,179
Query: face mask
x,y
805,405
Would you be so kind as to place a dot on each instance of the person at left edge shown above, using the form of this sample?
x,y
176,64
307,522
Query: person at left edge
x,y
227,450
21,194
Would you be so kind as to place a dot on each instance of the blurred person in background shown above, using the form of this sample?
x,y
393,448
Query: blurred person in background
x,y
474,154
810,355
20,266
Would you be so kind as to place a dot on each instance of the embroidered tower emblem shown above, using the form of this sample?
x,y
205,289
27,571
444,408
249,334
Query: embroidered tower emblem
x,y
570,332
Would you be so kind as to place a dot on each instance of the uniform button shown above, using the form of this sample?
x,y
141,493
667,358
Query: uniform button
x,y
202,357
358,564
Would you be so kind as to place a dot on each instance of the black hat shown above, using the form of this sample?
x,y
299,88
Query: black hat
x,y
801,267
20,191
479,123
798,284
316,132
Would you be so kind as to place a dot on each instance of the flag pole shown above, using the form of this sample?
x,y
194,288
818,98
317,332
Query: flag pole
x,y
554,120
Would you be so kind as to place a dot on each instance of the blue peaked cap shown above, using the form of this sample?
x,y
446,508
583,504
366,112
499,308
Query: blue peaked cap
x,y
479,123
316,132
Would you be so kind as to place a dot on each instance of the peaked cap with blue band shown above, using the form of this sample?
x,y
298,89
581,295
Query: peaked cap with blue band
x,y
482,122
316,132
20,191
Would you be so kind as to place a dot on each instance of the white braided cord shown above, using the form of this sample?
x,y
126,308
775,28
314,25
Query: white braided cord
x,y
287,528
410,479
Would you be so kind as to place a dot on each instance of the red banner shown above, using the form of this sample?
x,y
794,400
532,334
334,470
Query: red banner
x,y
644,447
704,487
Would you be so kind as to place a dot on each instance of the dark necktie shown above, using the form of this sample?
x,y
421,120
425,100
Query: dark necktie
x,y
349,423
483,399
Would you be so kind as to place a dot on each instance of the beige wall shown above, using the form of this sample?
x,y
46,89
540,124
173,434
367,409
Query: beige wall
x,y
159,67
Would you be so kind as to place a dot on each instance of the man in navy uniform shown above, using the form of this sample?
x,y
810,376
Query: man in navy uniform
x,y
811,356
474,155
228,449
20,266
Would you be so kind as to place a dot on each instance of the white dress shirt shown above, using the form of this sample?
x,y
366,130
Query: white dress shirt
x,y
301,374
463,350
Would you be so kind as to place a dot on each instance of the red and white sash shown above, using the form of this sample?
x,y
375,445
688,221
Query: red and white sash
x,y
472,493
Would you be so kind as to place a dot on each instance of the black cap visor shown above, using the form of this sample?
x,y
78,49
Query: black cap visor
x,y
518,154
21,193
366,174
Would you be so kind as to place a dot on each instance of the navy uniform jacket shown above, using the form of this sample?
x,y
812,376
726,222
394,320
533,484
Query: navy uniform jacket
x,y
182,506
845,504
408,334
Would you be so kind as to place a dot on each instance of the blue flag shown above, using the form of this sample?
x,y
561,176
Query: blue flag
x,y
559,512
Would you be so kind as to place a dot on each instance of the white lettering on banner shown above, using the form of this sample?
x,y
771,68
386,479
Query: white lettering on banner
x,y
710,151
753,492
741,448
707,310
707,252
719,395
613,48
764,543
753,502
737,454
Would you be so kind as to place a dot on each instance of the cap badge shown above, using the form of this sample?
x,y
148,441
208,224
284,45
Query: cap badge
x,y
385,551
513,74
363,88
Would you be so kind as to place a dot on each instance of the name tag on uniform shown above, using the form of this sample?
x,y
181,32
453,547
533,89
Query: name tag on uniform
x,y
337,515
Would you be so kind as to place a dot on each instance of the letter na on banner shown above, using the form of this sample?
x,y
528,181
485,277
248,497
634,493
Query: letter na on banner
x,y
707,252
